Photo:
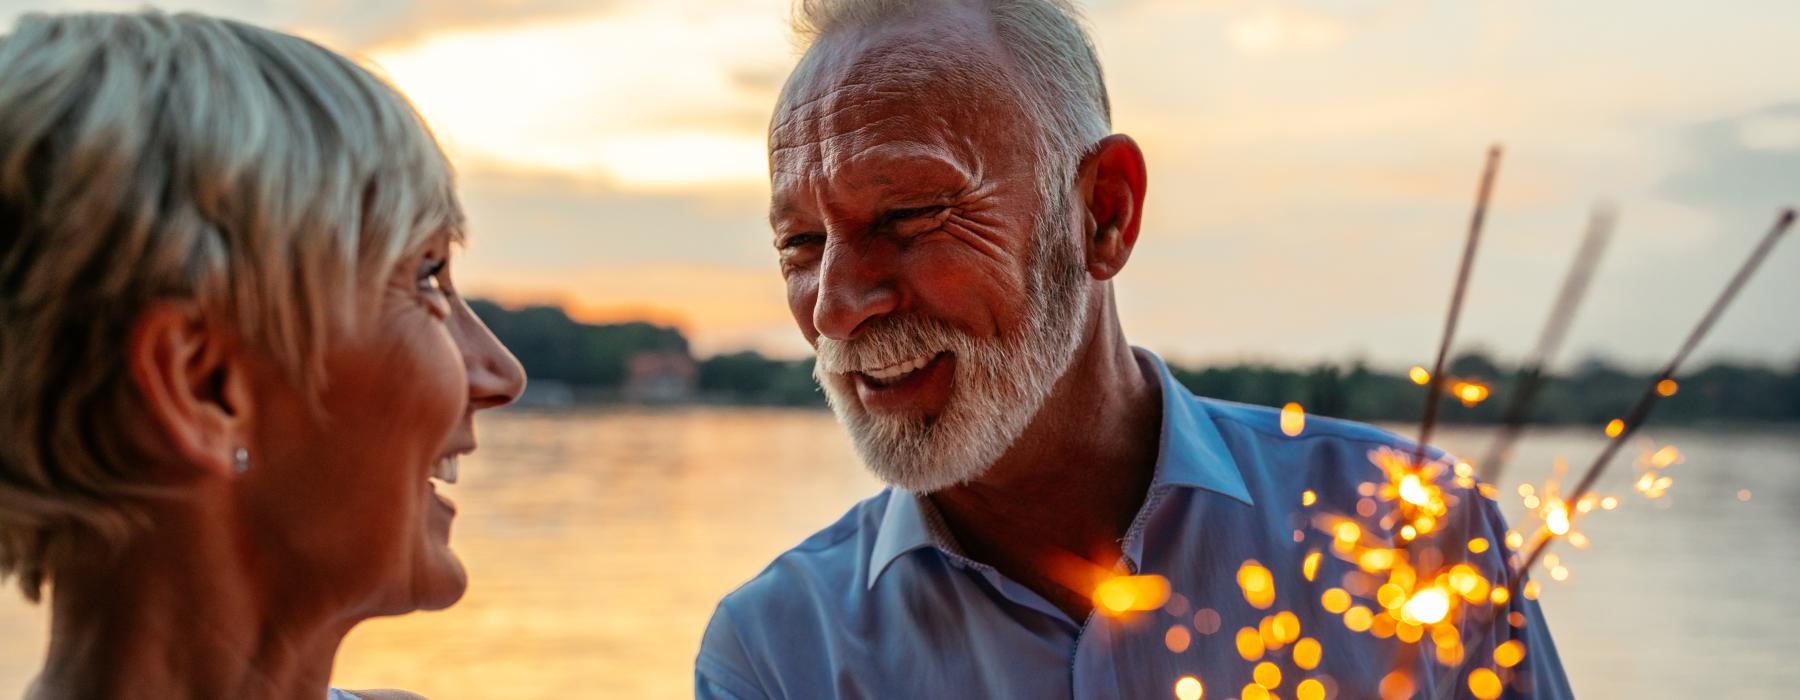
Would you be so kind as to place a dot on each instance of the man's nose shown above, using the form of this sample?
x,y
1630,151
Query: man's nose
x,y
856,286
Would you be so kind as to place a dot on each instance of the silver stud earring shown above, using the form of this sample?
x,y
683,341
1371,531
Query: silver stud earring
x,y
240,460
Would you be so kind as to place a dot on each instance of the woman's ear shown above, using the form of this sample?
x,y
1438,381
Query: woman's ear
x,y
1111,185
192,386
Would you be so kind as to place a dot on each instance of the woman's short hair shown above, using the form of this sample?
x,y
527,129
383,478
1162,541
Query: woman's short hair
x,y
148,157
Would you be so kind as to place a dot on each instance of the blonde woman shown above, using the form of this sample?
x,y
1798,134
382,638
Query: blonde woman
x,y
232,360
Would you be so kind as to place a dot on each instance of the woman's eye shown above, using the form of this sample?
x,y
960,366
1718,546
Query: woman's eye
x,y
431,276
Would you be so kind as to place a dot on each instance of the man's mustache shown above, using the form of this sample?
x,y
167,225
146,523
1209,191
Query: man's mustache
x,y
894,341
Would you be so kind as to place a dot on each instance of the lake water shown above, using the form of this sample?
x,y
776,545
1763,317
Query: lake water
x,y
599,539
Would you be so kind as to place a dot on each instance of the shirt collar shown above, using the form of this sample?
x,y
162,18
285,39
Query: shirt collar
x,y
1190,453
903,529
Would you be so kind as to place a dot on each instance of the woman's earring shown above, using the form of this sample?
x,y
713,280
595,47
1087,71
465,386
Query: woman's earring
x,y
240,460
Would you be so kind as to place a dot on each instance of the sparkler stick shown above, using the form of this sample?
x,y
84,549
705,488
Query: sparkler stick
x,y
1531,376
1655,391
1633,420
1434,393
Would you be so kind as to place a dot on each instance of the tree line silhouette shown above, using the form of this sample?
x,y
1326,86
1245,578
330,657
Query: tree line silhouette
x,y
591,359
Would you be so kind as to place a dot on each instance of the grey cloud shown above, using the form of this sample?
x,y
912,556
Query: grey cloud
x,y
1731,180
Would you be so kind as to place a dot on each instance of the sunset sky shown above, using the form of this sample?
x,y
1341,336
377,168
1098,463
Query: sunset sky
x,y
1311,164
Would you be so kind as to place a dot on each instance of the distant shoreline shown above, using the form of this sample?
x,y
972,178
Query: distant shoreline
x,y
598,401
643,364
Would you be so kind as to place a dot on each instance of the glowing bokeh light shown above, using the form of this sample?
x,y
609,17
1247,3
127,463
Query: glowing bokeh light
x,y
1123,594
1413,491
1556,518
1267,675
1335,600
1307,653
1469,393
1509,654
1428,606
1189,688
1293,419
1484,684
1206,621
1397,685
1249,644
1257,583
1178,638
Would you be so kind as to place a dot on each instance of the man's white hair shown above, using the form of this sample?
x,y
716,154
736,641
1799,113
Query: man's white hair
x,y
1060,83
148,157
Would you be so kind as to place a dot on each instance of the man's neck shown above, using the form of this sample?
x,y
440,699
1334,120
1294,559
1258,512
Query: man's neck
x,y
177,613
1052,512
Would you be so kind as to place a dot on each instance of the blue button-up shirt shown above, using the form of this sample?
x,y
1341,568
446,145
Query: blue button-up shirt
x,y
883,604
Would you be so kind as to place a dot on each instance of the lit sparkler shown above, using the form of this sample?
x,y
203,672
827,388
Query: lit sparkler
x,y
1664,384
1435,388
1531,374
1555,510
1412,593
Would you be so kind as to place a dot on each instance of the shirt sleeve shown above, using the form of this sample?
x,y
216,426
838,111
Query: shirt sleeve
x,y
1539,674
722,671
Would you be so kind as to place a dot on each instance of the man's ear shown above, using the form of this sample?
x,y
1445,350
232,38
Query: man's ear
x,y
193,390
1111,185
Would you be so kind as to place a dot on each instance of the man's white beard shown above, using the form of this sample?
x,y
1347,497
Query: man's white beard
x,y
999,385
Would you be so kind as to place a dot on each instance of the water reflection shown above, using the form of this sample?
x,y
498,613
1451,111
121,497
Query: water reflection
x,y
598,541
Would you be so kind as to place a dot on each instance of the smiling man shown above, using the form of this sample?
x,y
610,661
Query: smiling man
x,y
949,208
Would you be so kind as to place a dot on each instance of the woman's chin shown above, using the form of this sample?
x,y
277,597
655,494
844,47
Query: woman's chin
x,y
439,577
444,584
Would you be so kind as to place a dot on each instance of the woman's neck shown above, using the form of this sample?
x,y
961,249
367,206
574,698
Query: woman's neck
x,y
182,612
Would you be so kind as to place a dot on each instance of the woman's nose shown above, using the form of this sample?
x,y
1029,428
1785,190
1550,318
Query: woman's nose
x,y
495,377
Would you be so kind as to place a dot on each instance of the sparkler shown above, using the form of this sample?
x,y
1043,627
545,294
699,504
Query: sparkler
x,y
1435,390
1558,515
1663,385
1531,375
1395,592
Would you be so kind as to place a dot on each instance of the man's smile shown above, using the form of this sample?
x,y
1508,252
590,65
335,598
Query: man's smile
x,y
919,385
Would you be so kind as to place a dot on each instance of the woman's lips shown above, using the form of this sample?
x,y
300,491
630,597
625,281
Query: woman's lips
x,y
441,500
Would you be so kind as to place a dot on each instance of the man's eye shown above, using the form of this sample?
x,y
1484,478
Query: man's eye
x,y
913,221
913,213
801,240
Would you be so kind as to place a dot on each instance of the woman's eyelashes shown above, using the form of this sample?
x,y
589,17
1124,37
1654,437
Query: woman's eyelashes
x,y
431,275
432,283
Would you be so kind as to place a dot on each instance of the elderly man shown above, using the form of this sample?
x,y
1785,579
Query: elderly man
x,y
949,210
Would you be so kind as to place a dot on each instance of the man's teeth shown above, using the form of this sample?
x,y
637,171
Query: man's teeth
x,y
898,370
446,470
